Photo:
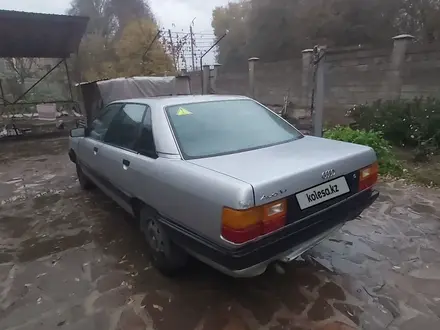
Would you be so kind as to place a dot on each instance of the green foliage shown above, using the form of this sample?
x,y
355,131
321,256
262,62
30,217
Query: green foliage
x,y
388,163
408,123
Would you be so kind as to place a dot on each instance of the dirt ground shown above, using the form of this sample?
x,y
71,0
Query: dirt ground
x,y
74,260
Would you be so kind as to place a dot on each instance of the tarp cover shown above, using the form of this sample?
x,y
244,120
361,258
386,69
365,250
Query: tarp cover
x,y
139,87
98,94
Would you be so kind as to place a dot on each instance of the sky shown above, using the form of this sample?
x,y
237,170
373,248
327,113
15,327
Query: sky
x,y
182,12
176,15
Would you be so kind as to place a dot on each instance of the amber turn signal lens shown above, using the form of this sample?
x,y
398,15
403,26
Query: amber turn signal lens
x,y
368,176
238,219
240,226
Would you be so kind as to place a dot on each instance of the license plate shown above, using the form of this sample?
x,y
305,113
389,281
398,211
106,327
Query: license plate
x,y
322,193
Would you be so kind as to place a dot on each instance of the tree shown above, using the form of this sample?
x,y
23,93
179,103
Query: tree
x,y
125,11
131,47
302,24
101,22
421,18
93,52
351,22
23,68
108,20
277,30
232,19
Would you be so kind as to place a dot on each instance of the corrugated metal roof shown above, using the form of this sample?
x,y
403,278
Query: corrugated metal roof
x,y
25,34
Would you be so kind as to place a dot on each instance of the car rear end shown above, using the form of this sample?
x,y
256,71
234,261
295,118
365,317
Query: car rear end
x,y
304,187
303,209
284,229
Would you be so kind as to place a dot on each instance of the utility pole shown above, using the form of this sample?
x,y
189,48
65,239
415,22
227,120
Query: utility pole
x,y
144,56
172,49
203,55
192,48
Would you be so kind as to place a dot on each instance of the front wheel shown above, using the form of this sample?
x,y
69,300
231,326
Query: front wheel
x,y
167,257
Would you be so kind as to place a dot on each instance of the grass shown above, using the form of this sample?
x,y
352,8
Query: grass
x,y
394,162
425,173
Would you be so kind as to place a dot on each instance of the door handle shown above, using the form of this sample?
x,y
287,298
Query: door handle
x,y
125,164
95,150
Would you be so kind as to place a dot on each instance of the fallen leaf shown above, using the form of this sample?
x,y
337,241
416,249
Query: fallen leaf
x,y
160,308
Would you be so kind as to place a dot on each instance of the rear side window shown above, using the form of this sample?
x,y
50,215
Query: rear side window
x,y
223,127
124,129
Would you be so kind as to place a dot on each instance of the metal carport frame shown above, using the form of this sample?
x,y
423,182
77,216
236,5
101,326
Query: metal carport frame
x,y
34,35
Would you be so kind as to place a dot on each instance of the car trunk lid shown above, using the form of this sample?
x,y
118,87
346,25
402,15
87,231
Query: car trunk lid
x,y
288,169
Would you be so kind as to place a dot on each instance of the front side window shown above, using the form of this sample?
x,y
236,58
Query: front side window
x,y
124,128
101,124
216,128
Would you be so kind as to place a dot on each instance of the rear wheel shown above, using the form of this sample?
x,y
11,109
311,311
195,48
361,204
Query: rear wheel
x,y
166,256
84,181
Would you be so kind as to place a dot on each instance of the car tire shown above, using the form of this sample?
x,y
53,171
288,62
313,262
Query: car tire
x,y
84,181
166,256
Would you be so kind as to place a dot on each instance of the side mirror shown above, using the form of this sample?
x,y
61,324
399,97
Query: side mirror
x,y
78,132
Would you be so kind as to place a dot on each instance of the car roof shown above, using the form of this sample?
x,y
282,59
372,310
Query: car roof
x,y
164,101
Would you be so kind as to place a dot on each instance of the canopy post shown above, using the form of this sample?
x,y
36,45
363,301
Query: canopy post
x,y
2,92
69,82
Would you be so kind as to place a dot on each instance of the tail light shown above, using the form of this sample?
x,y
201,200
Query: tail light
x,y
368,176
243,226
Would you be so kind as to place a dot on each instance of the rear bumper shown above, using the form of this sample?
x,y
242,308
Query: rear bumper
x,y
253,258
284,257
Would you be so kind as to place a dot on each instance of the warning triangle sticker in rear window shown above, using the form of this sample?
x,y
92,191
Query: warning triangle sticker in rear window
x,y
183,112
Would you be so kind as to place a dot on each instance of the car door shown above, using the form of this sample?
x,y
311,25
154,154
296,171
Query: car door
x,y
144,171
118,150
89,147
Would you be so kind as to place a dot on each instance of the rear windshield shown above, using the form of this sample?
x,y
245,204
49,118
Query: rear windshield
x,y
224,127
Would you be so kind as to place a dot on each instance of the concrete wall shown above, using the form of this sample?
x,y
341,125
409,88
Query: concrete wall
x,y
272,81
421,71
353,75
